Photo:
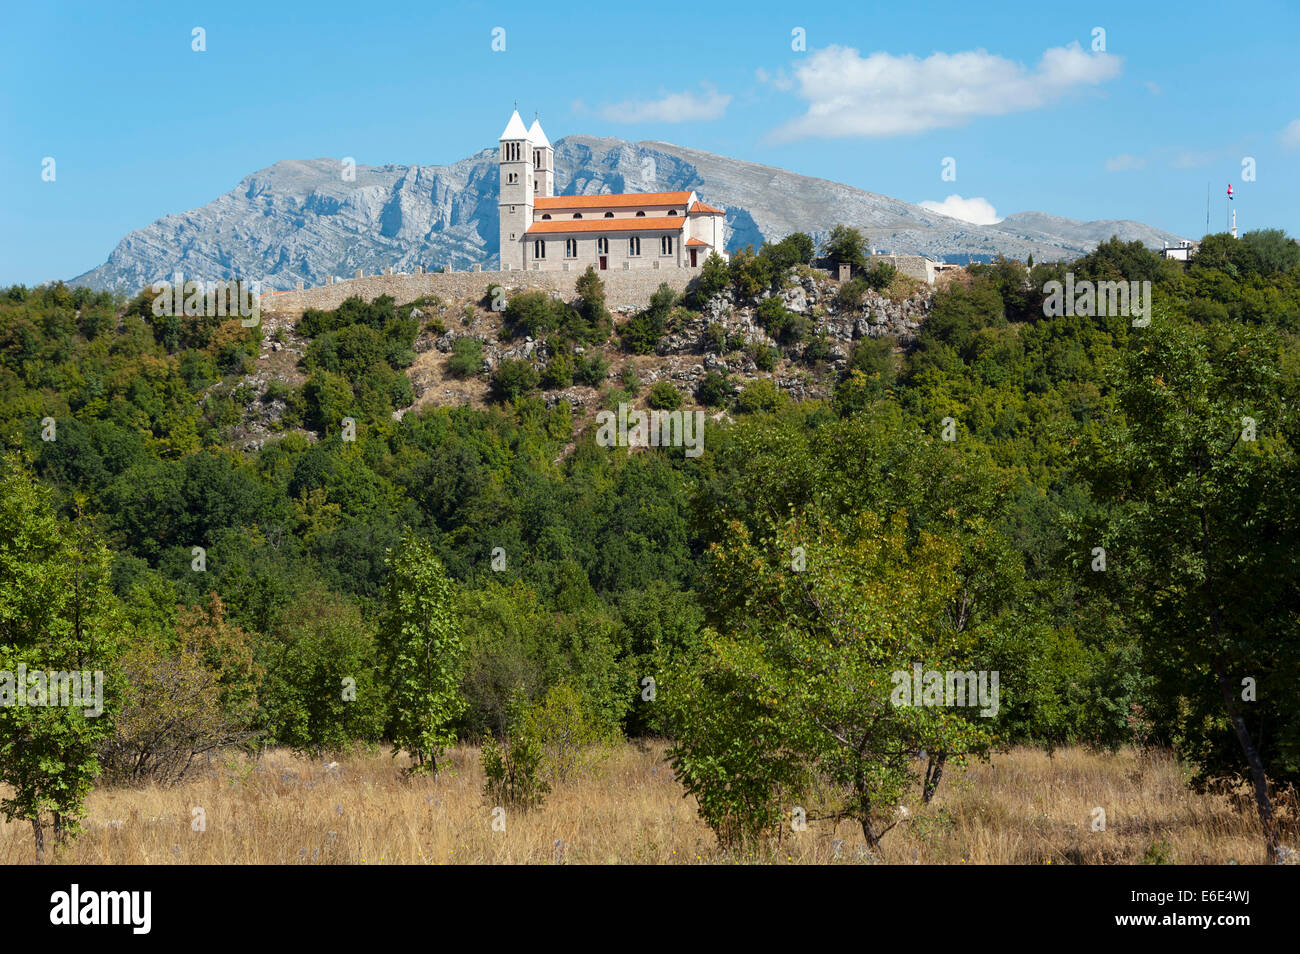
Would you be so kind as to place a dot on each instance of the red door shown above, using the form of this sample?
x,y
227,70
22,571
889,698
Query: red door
x,y
604,263
692,258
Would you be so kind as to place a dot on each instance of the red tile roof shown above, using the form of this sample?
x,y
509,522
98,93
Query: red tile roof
x,y
620,201
667,223
695,241
699,208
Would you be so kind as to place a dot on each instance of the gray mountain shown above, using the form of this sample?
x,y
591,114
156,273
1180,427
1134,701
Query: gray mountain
x,y
302,220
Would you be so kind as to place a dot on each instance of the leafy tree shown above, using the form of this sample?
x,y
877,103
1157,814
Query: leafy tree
x,y
846,246
1199,536
798,685
712,280
795,249
57,615
322,693
1273,251
420,648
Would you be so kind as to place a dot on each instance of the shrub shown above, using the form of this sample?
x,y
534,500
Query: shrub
x,y
851,292
780,322
531,313
750,274
629,379
642,331
512,765
758,395
514,378
572,740
591,308
558,372
880,274
712,280
818,349
664,396
591,370
715,338
765,357
321,693
466,357
713,390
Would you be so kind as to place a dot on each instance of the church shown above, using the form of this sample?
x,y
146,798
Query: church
x,y
541,231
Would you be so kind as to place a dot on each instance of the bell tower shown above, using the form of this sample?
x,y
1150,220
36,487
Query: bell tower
x,y
515,207
543,162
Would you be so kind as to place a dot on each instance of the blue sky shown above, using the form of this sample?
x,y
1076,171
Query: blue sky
x,y
140,125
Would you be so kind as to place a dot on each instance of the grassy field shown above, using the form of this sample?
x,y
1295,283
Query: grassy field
x,y
1023,807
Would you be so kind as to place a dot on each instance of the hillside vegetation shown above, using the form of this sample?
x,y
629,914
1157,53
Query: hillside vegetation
x,y
265,537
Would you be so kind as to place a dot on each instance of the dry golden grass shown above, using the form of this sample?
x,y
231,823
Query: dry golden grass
x,y
1024,807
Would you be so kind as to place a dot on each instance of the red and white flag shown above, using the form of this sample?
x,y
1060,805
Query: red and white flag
x,y
1230,196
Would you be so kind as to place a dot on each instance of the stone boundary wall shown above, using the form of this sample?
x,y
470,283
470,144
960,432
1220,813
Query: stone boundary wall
x,y
624,289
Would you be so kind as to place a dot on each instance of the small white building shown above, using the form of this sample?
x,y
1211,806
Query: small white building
x,y
541,231
1182,252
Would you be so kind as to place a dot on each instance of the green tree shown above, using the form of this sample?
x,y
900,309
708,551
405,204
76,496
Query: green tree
x,y
846,246
57,615
712,280
1197,466
794,699
420,648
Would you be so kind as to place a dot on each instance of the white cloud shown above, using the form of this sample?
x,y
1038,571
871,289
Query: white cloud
x,y
1125,162
976,211
885,95
780,79
1153,88
671,108
1291,135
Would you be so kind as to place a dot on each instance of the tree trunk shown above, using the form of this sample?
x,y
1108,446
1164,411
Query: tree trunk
x,y
60,831
933,775
38,833
1262,801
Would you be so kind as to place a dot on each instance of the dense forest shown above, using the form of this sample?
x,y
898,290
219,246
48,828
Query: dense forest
x,y
1103,514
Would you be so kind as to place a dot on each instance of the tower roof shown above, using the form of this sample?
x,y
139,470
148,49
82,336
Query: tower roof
x,y
515,128
537,136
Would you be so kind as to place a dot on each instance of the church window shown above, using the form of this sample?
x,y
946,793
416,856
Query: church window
x,y
640,215
634,245
602,246
666,245
539,249
546,215
609,215
570,248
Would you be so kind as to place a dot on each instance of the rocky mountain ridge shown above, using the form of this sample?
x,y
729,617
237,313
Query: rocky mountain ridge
x,y
304,220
